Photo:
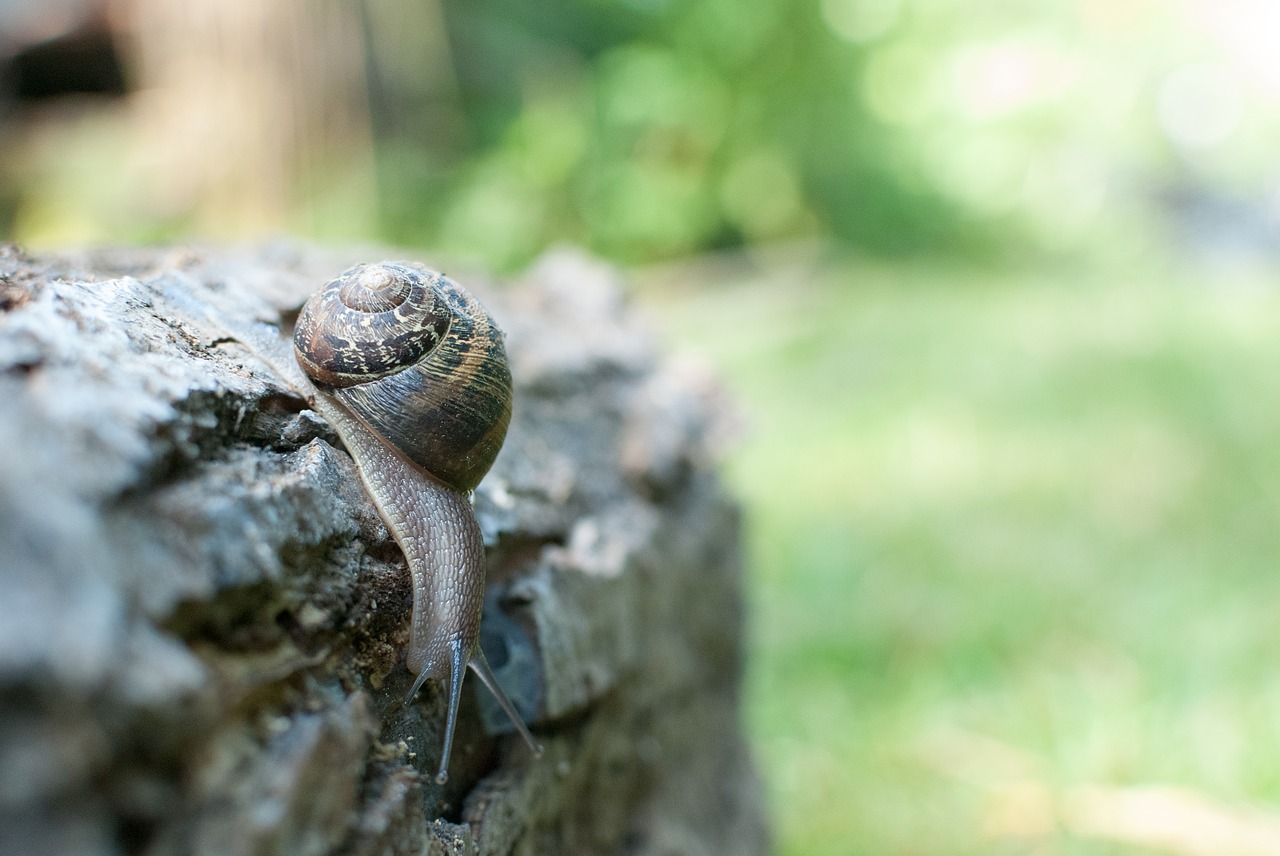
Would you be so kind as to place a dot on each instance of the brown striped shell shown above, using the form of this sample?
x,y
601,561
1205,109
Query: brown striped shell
x,y
416,358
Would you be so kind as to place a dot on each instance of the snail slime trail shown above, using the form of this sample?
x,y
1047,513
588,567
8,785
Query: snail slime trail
x,y
411,371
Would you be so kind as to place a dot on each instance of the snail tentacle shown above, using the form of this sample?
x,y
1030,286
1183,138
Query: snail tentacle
x,y
457,671
480,666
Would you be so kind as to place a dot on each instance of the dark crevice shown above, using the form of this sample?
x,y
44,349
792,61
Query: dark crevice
x,y
236,618
84,62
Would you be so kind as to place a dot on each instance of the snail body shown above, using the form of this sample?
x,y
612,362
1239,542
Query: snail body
x,y
411,372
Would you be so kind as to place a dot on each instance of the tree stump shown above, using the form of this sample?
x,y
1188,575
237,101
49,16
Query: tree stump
x,y
201,645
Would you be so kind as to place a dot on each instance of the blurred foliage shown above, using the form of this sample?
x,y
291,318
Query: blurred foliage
x,y
1012,544
653,129
656,129
660,128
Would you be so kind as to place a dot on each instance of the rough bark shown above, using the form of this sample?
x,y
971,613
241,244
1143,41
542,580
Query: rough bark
x,y
203,617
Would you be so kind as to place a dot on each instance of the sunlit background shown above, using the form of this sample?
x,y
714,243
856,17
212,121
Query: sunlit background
x,y
994,285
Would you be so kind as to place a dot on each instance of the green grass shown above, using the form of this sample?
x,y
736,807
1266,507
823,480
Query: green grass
x,y
1010,538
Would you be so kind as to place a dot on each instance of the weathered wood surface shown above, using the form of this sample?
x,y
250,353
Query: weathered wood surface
x,y
203,618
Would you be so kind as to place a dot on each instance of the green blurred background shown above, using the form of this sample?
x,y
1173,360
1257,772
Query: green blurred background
x,y
993,286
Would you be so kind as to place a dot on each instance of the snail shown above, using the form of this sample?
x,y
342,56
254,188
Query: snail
x,y
410,371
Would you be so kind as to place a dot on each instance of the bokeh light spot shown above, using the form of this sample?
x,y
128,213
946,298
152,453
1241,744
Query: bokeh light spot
x,y
1199,106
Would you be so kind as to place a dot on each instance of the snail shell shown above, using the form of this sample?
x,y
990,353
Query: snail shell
x,y
411,371
418,359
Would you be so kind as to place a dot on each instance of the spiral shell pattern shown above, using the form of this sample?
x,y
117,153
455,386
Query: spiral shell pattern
x,y
370,321
416,358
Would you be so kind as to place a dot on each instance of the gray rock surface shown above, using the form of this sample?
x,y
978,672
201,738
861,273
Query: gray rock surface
x,y
203,617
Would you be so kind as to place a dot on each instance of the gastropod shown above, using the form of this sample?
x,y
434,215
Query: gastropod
x,y
411,372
